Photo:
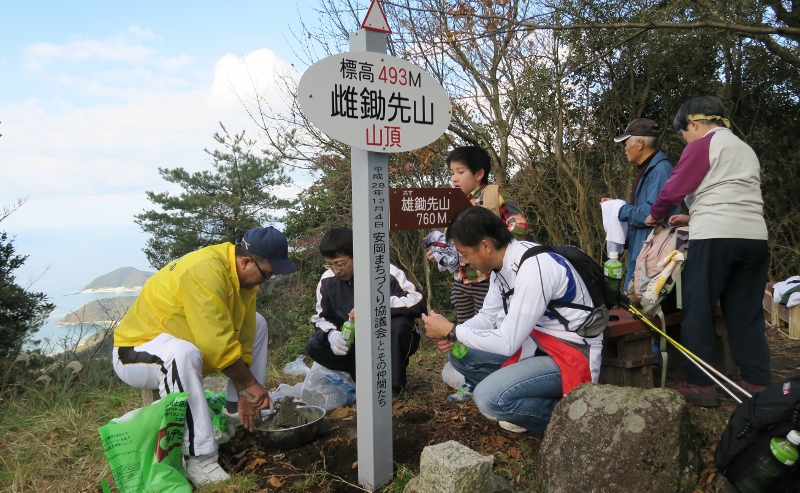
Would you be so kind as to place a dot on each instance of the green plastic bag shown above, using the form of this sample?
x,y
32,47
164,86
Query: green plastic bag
x,y
219,421
143,447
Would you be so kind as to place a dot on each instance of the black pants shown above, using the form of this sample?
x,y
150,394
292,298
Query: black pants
x,y
732,271
405,342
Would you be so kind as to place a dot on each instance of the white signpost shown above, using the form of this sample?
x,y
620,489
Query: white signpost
x,y
374,101
377,104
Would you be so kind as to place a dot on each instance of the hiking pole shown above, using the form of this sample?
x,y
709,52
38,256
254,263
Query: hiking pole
x,y
625,303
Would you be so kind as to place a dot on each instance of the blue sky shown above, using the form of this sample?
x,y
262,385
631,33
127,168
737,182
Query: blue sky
x,y
95,96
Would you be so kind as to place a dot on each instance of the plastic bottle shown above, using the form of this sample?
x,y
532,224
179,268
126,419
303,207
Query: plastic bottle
x,y
452,377
349,333
459,350
771,467
333,396
613,272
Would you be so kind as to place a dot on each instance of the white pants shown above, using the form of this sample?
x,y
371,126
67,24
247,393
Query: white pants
x,y
169,364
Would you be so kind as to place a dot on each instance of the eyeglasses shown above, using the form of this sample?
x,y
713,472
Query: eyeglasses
x,y
263,274
336,265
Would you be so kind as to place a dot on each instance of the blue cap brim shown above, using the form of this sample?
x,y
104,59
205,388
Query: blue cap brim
x,y
282,266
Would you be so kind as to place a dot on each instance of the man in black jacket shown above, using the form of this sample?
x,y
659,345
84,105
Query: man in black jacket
x,y
335,305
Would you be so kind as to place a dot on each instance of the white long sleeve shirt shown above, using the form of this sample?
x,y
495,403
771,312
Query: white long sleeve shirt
x,y
541,279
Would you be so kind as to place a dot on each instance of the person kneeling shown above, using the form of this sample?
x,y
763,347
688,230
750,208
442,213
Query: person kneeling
x,y
335,305
522,355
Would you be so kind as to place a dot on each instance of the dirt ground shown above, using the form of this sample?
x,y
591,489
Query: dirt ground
x,y
329,463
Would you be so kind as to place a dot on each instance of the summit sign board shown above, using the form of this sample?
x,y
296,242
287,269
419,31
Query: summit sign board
x,y
375,102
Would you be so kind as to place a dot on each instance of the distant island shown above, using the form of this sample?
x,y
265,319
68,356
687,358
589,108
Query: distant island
x,y
122,279
105,310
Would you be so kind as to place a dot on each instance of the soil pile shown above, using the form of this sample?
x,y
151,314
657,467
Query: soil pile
x,y
287,415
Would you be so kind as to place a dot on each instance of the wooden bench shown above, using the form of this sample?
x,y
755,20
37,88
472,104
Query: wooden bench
x,y
628,357
787,320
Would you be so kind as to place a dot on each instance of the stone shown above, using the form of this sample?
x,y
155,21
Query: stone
x,y
453,468
495,484
603,438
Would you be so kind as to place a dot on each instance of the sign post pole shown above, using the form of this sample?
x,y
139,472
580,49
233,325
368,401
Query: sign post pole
x,y
370,175
377,104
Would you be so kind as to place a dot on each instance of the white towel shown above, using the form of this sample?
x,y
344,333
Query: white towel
x,y
780,288
616,230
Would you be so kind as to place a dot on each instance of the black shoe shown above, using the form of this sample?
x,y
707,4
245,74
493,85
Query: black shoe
x,y
399,394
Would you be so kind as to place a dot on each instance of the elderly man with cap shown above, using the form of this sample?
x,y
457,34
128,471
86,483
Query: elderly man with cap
x,y
195,317
642,141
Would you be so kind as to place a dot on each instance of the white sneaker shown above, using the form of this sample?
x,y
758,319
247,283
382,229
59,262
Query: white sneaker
x,y
204,469
511,427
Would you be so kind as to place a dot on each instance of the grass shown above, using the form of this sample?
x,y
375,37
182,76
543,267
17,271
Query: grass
x,y
400,480
49,435
49,440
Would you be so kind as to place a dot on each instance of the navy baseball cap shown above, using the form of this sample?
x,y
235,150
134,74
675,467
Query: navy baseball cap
x,y
272,245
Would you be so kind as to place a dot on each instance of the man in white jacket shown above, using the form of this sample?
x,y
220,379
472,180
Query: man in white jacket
x,y
521,356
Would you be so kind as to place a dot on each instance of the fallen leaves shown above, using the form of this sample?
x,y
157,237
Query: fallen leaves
x,y
339,413
255,463
498,441
275,481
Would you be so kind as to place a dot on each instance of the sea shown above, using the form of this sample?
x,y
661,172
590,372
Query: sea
x,y
52,335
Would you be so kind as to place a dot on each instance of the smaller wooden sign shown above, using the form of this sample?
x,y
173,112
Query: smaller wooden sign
x,y
420,208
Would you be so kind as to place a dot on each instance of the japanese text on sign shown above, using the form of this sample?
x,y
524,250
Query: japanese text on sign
x,y
418,208
374,102
379,215
347,101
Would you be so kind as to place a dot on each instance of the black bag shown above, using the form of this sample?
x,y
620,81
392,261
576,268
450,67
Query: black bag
x,y
773,412
593,278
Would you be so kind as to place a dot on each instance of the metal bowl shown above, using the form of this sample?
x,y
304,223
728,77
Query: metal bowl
x,y
290,438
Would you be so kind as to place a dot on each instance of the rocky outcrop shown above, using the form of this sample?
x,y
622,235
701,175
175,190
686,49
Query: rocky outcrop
x,y
609,439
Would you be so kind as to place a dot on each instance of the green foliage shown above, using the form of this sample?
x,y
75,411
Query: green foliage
x,y
327,203
400,480
22,312
288,303
216,206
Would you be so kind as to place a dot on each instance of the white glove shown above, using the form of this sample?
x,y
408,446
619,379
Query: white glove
x,y
338,345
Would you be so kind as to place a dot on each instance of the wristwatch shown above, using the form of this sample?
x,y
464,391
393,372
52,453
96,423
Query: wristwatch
x,y
451,336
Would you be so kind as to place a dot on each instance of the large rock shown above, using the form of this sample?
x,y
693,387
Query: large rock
x,y
450,467
603,438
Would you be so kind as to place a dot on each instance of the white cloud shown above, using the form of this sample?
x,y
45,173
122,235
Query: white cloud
x,y
89,166
116,49
143,33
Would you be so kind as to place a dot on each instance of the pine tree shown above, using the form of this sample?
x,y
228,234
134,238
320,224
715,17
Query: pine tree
x,y
216,205
22,312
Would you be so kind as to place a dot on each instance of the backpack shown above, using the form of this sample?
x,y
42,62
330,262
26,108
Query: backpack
x,y
593,278
770,413
658,245
490,195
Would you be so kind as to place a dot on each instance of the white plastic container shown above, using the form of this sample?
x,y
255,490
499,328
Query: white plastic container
x,y
332,396
451,377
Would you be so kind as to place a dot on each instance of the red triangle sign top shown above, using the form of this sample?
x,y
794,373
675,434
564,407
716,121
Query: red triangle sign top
x,y
376,19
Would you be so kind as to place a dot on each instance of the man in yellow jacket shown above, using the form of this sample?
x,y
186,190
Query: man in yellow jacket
x,y
195,317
